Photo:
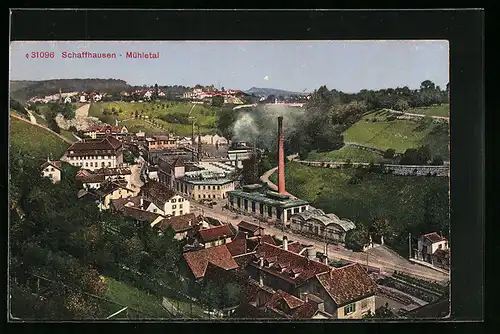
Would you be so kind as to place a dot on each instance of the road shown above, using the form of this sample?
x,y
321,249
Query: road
x,y
379,257
32,118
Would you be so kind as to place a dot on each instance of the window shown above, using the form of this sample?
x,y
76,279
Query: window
x,y
154,210
91,164
50,174
174,207
102,164
204,196
218,187
180,206
364,303
109,163
351,308
174,200
86,164
52,169
174,213
180,213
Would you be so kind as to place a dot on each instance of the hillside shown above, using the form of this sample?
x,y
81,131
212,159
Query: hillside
x,y
270,91
406,201
24,90
35,141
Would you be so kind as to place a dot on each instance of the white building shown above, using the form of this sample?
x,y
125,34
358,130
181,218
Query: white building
x,y
160,199
93,154
67,99
52,170
434,249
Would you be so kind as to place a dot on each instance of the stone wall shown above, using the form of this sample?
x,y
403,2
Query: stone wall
x,y
405,170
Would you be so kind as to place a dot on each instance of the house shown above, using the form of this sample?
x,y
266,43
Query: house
x,y
433,248
164,200
181,225
110,190
346,292
285,305
93,180
67,99
197,261
161,142
83,99
251,229
93,154
101,130
215,236
52,170
317,223
141,216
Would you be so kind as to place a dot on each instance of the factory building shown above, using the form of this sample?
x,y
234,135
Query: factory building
x,y
258,201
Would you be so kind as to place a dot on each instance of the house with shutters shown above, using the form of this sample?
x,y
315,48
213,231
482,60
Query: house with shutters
x,y
165,201
52,170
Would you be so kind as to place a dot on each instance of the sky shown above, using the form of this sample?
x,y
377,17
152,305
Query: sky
x,y
299,66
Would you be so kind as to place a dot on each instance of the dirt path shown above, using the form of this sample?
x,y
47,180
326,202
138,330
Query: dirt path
x,y
43,127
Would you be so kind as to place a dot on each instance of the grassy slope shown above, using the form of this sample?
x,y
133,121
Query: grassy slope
x,y
35,141
436,110
397,134
68,135
345,153
17,113
203,116
399,198
139,300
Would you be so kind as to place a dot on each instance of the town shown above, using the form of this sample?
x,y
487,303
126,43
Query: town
x,y
176,202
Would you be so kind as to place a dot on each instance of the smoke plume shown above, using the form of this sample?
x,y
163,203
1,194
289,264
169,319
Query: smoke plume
x,y
260,125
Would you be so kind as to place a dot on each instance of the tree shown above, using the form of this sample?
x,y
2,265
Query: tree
x,y
389,153
383,312
437,160
211,295
401,105
355,239
382,228
155,92
217,101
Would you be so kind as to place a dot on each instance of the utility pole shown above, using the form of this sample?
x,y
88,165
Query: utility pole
x,y
409,245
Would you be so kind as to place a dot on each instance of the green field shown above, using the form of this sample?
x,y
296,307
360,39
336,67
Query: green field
x,y
17,113
136,125
346,153
141,301
68,135
436,110
401,199
398,134
203,115
35,141
39,119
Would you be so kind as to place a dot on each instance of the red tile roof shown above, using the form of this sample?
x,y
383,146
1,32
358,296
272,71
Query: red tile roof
x,y
298,269
55,164
218,255
91,146
237,247
252,242
298,309
434,237
216,233
178,223
240,235
248,226
114,171
296,247
347,284
119,203
90,178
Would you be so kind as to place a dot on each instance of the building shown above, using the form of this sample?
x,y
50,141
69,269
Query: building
x,y
346,292
52,170
215,236
181,225
250,229
110,190
93,154
255,200
93,180
433,248
101,130
198,261
163,200
316,222
160,142
237,155
198,185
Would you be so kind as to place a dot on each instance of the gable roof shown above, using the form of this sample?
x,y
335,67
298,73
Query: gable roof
x,y
106,143
296,247
299,309
140,215
55,164
157,192
434,237
119,203
178,223
114,171
90,178
237,247
347,284
107,187
298,269
218,255
253,242
248,226
216,233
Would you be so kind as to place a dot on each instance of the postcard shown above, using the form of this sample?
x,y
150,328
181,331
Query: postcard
x,y
229,180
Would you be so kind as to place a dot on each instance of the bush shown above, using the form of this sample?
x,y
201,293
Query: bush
x,y
389,153
437,160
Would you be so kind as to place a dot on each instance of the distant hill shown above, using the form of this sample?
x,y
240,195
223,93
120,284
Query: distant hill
x,y
24,90
271,91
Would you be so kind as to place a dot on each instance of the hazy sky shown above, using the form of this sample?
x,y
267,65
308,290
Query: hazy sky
x,y
348,66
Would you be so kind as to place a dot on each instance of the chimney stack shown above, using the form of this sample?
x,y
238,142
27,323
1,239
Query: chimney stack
x,y
261,262
285,242
281,157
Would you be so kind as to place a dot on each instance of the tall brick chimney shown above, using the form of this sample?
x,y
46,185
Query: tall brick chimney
x,y
281,158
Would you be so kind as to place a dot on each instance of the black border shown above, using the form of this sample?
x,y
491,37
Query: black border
x,y
463,28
